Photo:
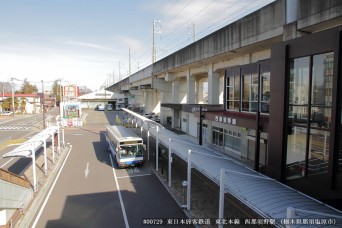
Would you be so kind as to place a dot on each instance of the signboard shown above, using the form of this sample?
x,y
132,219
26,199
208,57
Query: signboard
x,y
225,119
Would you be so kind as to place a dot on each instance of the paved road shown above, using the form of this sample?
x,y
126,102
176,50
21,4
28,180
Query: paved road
x,y
19,127
92,192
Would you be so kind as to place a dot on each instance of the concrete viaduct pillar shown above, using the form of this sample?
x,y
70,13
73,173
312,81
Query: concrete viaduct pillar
x,y
213,86
191,88
175,91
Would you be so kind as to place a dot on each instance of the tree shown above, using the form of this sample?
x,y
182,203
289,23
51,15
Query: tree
x,y
56,91
22,104
27,88
7,104
5,87
84,90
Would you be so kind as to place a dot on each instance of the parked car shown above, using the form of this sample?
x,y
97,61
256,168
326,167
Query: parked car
x,y
100,107
109,107
6,113
147,115
156,118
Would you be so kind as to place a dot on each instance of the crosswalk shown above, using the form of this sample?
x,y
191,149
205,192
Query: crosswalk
x,y
14,127
20,124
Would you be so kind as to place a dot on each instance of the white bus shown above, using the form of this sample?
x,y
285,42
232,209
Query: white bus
x,y
126,148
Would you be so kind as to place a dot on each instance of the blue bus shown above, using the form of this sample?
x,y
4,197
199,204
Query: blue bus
x,y
126,148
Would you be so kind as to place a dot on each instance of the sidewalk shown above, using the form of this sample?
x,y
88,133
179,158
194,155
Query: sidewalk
x,y
44,182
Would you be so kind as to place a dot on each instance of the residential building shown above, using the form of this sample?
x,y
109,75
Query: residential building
x,y
70,92
27,103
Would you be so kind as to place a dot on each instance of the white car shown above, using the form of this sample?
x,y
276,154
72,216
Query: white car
x,y
6,113
100,107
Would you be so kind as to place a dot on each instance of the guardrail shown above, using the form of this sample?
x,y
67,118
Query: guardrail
x,y
14,179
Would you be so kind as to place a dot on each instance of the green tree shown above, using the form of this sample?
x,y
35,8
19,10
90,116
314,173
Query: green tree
x,y
7,104
22,104
28,88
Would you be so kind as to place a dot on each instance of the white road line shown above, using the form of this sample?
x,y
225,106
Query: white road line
x,y
135,176
51,189
119,193
7,162
14,127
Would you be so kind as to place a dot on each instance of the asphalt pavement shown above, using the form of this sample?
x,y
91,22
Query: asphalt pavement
x,y
89,192
86,193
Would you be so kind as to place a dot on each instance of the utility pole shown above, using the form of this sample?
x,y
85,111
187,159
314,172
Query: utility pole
x,y
257,130
155,30
200,140
113,77
153,52
129,61
60,90
3,90
119,71
43,104
193,33
13,108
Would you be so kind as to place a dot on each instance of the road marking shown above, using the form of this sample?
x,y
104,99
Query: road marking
x,y
86,171
15,127
119,193
133,170
52,187
141,175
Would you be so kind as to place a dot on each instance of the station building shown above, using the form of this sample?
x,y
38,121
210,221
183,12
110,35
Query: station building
x,y
103,97
265,89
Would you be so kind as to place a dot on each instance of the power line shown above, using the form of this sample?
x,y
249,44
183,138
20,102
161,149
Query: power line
x,y
219,20
209,29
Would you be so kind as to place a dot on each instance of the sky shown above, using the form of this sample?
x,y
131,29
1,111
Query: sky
x,y
95,42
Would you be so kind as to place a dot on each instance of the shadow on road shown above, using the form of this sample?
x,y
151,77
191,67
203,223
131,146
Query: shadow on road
x,y
101,149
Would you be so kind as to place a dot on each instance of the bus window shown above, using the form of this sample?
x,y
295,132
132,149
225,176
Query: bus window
x,y
131,151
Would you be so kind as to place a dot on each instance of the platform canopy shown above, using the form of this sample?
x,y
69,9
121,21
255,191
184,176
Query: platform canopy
x,y
25,149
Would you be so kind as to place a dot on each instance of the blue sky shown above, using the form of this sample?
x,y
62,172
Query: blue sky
x,y
84,42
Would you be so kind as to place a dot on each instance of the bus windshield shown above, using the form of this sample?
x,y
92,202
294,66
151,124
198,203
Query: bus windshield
x,y
131,151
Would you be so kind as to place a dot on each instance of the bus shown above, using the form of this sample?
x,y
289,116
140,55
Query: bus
x,y
126,147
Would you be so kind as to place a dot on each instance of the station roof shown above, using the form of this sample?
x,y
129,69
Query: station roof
x,y
101,95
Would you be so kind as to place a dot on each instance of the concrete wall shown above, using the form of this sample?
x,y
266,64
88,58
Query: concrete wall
x,y
144,73
233,44
193,125
182,91
311,13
